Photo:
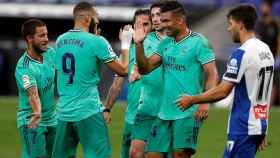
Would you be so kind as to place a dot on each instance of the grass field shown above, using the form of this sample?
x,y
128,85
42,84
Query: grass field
x,y
211,141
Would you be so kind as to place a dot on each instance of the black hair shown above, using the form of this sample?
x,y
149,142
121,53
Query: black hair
x,y
244,13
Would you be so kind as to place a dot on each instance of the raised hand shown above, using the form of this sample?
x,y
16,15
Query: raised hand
x,y
125,36
139,32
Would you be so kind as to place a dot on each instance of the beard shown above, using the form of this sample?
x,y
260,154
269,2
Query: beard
x,y
37,49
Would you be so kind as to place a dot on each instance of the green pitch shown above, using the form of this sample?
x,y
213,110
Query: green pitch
x,y
211,141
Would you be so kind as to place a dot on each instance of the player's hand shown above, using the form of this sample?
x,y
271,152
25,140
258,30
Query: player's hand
x,y
184,102
139,33
125,36
34,120
107,116
135,75
202,112
263,144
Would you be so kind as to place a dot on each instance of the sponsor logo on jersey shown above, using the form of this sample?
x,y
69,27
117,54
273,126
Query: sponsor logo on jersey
x,y
232,67
260,111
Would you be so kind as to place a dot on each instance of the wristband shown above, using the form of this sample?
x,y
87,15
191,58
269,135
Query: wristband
x,y
126,38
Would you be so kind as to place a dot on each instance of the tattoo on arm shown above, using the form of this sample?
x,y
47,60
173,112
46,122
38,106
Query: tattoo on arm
x,y
114,92
34,99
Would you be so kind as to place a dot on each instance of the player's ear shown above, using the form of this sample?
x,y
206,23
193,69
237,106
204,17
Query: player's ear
x,y
29,38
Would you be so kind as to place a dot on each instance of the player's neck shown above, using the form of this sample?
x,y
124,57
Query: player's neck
x,y
34,55
80,27
161,34
184,33
246,36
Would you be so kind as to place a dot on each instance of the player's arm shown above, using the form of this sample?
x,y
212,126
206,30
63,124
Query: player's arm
x,y
214,94
121,66
211,81
34,101
112,96
146,65
212,77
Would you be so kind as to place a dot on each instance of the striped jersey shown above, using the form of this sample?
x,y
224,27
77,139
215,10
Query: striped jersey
x,y
250,68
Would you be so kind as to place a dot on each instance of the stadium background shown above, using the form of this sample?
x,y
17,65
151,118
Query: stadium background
x,y
205,16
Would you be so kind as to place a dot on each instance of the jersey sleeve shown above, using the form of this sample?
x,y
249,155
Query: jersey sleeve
x,y
205,53
236,66
105,52
24,78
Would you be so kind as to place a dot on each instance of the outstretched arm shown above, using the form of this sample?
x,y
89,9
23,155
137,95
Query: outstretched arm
x,y
212,95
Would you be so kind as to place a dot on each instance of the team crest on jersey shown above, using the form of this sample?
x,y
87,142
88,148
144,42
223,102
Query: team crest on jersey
x,y
25,80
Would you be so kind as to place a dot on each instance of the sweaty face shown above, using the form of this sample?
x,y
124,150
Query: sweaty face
x,y
234,28
144,20
169,23
40,39
155,15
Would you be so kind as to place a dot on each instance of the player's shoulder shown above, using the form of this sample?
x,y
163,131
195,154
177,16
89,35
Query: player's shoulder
x,y
23,64
198,37
23,61
254,45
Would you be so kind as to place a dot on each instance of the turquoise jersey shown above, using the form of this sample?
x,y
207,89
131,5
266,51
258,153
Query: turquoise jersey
x,y
182,71
30,72
78,60
151,91
133,93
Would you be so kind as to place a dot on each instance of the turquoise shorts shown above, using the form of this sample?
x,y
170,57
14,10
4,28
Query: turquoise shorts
x,y
142,127
37,142
91,133
126,140
173,135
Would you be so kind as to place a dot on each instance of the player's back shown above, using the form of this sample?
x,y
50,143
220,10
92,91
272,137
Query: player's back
x,y
78,59
253,68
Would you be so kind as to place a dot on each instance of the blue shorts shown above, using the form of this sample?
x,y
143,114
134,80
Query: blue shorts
x,y
242,146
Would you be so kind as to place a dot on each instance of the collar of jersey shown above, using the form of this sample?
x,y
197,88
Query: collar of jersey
x,y
158,37
176,43
75,30
34,59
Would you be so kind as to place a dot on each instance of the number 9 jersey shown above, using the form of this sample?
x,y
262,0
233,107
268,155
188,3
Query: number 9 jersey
x,y
78,60
250,68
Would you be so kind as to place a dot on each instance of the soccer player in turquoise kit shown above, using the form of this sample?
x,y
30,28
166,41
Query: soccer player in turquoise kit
x,y
36,117
151,89
141,16
185,56
78,60
249,76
